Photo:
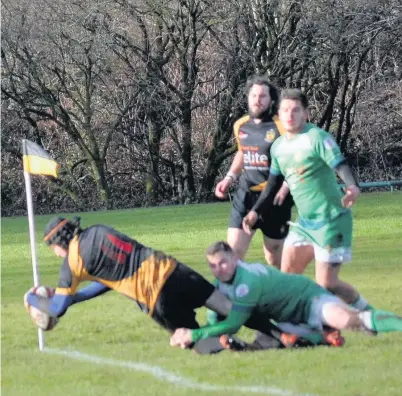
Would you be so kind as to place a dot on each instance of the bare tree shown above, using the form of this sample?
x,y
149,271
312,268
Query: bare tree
x,y
58,67
137,99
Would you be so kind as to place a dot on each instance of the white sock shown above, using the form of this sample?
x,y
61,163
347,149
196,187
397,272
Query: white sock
x,y
360,304
365,318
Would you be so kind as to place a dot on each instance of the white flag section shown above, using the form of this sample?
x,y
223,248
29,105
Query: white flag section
x,y
31,222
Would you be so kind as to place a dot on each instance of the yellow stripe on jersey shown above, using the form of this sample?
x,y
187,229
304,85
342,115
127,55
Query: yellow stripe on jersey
x,y
258,187
76,267
236,128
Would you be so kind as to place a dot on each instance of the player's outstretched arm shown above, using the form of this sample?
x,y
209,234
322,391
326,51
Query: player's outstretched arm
x,y
59,303
55,306
94,289
236,318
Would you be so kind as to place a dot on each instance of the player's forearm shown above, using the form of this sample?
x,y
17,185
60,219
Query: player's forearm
x,y
55,306
237,163
236,167
93,290
214,331
268,194
346,175
228,326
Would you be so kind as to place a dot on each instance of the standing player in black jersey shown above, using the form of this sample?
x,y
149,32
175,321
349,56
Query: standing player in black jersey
x,y
165,289
255,134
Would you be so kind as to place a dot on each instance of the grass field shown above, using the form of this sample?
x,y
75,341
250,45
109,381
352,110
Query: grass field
x,y
111,348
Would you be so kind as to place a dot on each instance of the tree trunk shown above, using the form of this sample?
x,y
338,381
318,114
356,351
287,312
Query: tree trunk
x,y
154,136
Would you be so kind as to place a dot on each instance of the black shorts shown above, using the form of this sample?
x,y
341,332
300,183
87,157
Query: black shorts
x,y
183,292
272,222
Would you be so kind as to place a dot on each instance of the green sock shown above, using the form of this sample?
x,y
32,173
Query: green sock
x,y
383,321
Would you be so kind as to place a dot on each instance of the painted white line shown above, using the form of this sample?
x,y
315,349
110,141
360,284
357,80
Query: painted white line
x,y
164,375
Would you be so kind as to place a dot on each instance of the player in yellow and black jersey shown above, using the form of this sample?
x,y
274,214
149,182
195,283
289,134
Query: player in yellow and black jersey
x,y
254,135
114,261
164,288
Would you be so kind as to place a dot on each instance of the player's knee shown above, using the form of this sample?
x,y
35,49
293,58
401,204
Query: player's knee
x,y
273,259
288,266
273,253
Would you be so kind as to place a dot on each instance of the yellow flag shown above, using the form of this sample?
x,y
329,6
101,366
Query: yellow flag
x,y
37,161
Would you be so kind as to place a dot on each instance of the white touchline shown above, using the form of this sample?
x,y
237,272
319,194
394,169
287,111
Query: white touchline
x,y
164,375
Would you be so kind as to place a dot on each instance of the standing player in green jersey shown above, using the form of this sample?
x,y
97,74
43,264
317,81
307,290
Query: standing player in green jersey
x,y
306,157
282,297
254,135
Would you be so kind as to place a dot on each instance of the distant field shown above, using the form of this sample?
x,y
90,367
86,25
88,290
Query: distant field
x,y
108,347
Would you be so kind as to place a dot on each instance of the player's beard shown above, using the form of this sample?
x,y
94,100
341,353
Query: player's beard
x,y
261,114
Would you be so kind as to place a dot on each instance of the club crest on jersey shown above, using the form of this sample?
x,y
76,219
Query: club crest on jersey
x,y
241,290
270,136
329,143
242,135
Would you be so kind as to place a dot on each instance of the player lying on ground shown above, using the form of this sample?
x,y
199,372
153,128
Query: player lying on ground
x,y
307,157
296,336
165,289
282,297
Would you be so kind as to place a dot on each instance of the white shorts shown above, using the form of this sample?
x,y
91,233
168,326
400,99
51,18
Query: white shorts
x,y
332,256
319,310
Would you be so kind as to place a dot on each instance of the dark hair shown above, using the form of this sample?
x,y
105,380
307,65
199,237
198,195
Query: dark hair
x,y
219,247
60,231
273,91
295,94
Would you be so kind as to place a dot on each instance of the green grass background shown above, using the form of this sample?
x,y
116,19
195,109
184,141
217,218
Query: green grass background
x,y
112,326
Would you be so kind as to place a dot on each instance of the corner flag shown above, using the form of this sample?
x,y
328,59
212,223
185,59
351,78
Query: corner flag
x,y
37,162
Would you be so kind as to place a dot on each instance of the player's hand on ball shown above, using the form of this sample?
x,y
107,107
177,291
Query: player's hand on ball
x,y
39,318
26,305
249,221
181,338
352,193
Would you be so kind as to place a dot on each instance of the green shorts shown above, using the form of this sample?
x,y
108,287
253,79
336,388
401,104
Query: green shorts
x,y
332,242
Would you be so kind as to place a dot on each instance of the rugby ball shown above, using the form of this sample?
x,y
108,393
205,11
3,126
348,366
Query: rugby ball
x,y
39,318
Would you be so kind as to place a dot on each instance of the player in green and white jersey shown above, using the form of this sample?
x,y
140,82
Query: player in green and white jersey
x,y
306,157
282,297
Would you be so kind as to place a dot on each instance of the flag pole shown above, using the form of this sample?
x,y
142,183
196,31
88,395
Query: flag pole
x,y
31,222
36,161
